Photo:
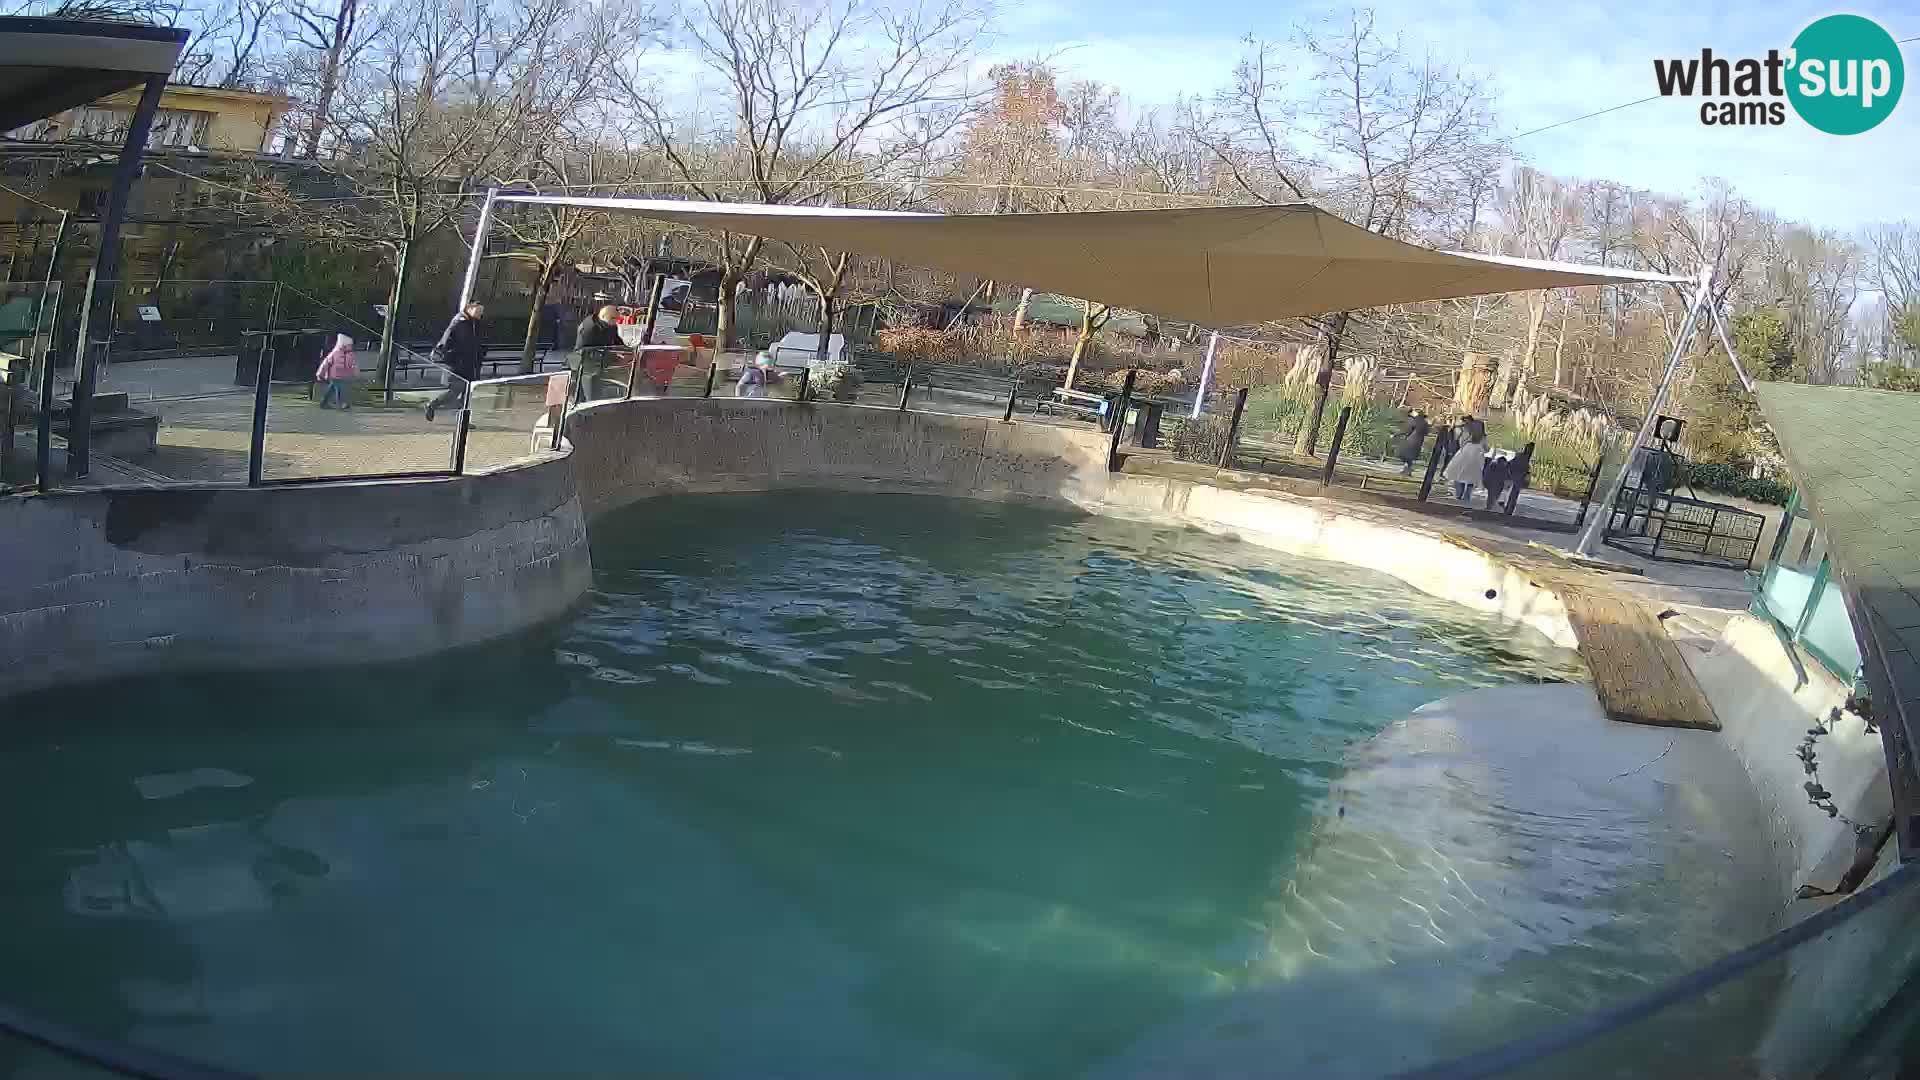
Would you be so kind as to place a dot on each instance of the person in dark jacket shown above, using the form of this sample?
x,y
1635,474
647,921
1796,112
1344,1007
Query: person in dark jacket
x,y
460,350
1413,438
594,343
1494,476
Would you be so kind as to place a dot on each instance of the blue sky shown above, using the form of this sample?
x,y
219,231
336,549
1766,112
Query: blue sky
x,y
1551,62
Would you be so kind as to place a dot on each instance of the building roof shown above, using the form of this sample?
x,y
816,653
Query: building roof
x,y
1855,459
51,65
1218,266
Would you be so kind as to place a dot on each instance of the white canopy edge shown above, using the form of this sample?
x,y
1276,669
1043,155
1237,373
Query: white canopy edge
x,y
1218,266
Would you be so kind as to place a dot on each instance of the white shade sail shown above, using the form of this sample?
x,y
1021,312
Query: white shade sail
x,y
1217,265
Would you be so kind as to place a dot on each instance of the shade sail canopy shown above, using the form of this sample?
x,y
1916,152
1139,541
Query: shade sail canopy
x,y
51,65
1216,265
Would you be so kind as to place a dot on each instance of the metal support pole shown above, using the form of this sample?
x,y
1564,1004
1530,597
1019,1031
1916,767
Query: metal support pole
x,y
1593,481
262,393
711,369
906,387
1333,448
806,376
1232,444
1120,420
480,232
1440,440
43,448
646,332
106,269
1590,535
1013,393
1206,375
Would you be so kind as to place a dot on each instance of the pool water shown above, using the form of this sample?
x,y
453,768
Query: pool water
x,y
815,785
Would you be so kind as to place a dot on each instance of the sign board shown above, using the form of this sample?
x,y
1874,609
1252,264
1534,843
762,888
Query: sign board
x,y
148,313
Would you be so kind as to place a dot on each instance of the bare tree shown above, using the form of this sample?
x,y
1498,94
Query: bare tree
x,y
819,89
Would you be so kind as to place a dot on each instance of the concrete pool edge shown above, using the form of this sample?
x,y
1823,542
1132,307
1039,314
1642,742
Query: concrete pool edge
x,y
106,583
625,452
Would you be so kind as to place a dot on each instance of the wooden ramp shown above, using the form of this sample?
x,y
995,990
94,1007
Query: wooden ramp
x,y
1637,669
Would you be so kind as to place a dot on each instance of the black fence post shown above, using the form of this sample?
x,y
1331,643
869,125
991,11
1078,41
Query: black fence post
x,y
1593,481
1120,420
1517,477
1440,441
460,429
1233,431
806,376
906,387
711,369
1013,393
1333,448
262,392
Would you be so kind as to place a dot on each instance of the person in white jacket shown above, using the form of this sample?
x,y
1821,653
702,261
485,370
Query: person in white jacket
x,y
1463,472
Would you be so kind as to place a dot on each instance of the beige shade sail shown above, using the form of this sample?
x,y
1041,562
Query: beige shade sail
x,y
1218,265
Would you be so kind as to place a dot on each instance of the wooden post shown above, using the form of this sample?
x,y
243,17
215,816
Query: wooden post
x,y
806,376
711,368
1013,392
906,387
1440,441
1333,448
1233,431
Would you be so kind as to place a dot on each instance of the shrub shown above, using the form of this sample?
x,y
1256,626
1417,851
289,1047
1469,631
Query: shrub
x,y
1737,481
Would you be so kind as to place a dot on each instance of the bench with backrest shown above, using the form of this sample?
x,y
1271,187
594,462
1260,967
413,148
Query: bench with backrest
x,y
1077,403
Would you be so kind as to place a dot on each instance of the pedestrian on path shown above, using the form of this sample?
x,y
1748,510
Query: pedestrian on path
x,y
1463,472
1413,438
756,377
459,350
338,369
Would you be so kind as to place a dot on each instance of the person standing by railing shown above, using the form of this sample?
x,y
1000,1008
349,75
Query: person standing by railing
x,y
594,343
460,350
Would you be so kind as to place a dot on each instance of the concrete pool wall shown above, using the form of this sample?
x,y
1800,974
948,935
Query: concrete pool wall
x,y
103,583
628,451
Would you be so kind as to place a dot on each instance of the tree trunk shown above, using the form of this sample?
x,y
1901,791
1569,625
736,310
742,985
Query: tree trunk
x,y
1514,370
823,326
1322,381
540,287
723,311
1020,311
329,76
402,269
1080,343
1560,342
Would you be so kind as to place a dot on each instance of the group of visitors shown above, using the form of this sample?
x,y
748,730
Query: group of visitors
x,y
1469,462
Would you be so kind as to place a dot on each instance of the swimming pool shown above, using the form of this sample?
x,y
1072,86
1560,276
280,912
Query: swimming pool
x,y
824,784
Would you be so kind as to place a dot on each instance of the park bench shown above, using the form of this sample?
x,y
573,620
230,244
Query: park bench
x,y
1079,403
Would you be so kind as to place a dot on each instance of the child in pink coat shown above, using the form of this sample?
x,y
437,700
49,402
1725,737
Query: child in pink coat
x,y
338,369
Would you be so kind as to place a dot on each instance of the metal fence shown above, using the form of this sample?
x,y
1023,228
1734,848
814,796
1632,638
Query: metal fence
x,y
1674,528
1357,447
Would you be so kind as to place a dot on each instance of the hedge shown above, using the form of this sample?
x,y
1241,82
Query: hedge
x,y
1735,480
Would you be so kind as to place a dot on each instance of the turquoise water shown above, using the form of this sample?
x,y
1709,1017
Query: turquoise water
x,y
816,785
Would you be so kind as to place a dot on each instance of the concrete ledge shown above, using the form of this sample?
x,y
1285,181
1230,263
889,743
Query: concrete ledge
x,y
105,583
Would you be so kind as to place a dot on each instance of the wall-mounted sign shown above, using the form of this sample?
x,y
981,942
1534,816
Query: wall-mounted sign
x,y
149,313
